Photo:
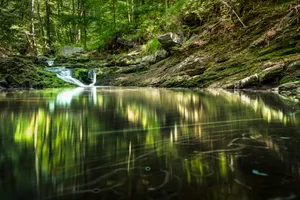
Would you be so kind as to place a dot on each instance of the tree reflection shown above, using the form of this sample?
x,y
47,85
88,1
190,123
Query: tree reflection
x,y
147,144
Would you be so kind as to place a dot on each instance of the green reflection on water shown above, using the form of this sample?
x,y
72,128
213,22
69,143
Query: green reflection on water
x,y
132,143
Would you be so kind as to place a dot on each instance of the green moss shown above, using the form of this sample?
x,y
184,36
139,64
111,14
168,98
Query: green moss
x,y
151,47
49,80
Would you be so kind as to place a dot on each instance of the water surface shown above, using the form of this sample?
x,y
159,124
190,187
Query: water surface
x,y
144,143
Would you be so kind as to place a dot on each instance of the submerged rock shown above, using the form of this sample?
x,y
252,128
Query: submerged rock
x,y
169,40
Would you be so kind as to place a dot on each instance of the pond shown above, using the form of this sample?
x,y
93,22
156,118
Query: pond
x,y
148,144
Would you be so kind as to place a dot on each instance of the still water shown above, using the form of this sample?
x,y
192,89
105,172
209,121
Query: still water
x,y
148,144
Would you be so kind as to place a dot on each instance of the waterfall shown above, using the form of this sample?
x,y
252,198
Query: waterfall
x,y
66,75
50,62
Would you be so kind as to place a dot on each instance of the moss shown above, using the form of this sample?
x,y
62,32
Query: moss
x,y
82,75
49,80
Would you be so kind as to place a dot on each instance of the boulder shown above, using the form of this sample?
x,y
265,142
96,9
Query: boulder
x,y
125,43
169,40
154,58
71,51
292,88
271,74
247,82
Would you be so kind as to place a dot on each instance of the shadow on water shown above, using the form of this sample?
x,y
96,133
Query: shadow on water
x,y
156,144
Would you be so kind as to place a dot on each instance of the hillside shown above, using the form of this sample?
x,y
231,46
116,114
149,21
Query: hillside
x,y
223,44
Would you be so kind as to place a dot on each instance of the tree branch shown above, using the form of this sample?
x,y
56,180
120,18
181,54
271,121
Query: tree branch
x,y
229,6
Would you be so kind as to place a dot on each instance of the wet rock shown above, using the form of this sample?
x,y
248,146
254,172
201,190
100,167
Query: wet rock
x,y
247,82
293,66
271,74
71,51
288,89
42,61
169,40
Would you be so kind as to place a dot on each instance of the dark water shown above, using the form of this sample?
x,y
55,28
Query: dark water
x,y
152,144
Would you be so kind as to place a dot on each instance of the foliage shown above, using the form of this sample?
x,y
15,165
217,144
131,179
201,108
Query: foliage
x,y
151,47
96,24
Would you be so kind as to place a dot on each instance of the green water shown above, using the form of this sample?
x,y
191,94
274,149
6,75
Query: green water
x,y
152,144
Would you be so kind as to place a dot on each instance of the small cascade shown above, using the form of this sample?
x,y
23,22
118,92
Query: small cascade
x,y
50,62
66,75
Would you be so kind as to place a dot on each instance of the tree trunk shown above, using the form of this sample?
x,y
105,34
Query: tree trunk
x,y
73,36
48,25
32,32
41,25
84,25
128,10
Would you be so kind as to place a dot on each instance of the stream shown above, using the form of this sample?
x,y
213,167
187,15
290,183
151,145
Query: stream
x,y
146,143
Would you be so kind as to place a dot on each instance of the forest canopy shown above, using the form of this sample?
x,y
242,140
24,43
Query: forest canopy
x,y
36,26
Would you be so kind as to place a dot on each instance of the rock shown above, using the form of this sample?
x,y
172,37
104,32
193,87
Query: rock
x,y
125,43
42,61
247,82
161,54
150,59
154,58
71,51
3,83
298,93
194,72
271,74
169,40
191,19
50,52
192,66
293,66
127,60
291,87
